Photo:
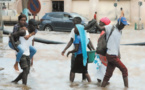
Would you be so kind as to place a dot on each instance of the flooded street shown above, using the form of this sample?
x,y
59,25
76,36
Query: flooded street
x,y
51,70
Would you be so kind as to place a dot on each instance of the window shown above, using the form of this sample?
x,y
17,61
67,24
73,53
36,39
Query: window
x,y
66,17
58,6
55,15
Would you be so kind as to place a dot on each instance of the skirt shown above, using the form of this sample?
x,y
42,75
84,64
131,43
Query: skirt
x,y
78,66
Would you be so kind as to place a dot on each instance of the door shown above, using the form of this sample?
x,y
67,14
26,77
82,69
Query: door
x,y
68,22
57,20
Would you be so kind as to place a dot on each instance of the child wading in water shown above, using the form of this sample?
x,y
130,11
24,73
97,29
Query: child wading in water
x,y
80,63
76,20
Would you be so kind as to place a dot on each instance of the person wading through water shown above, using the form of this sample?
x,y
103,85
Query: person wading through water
x,y
113,51
22,22
76,20
27,56
80,50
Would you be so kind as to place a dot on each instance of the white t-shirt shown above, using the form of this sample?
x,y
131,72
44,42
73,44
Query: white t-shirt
x,y
113,44
26,43
72,34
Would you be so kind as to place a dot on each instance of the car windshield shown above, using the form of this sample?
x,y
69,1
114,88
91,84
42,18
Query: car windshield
x,y
77,15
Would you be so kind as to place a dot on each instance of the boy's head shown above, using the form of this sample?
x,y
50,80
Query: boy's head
x,y
33,22
22,19
104,21
77,20
32,25
95,12
122,22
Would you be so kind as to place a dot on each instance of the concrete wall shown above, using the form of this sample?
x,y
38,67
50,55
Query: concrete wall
x,y
81,7
135,11
46,6
107,9
88,7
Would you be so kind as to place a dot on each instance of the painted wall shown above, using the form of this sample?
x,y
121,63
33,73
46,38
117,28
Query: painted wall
x,y
135,11
107,9
88,7
81,7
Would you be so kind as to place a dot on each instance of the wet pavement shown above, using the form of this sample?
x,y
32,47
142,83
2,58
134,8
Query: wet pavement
x,y
51,70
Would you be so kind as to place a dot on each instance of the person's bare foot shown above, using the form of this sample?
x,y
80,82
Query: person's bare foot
x,y
108,83
15,82
16,67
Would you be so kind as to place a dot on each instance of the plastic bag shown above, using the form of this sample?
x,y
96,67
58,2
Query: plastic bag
x,y
97,62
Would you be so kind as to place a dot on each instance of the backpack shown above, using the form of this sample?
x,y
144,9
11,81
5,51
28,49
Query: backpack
x,y
102,44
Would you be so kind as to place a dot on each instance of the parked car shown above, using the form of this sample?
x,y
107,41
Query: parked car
x,y
59,21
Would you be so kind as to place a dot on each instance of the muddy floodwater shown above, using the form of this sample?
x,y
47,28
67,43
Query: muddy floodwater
x,y
51,70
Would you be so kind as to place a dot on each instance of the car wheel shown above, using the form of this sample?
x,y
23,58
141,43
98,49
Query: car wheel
x,y
47,28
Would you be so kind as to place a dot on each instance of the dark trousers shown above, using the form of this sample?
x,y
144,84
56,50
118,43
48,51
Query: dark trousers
x,y
25,65
114,61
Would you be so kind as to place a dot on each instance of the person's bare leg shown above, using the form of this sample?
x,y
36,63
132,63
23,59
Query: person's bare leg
x,y
16,66
32,62
72,76
88,77
83,77
18,78
125,79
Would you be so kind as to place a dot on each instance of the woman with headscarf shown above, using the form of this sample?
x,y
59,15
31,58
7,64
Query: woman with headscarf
x,y
80,50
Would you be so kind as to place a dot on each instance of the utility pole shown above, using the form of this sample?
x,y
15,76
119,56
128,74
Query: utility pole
x,y
1,23
24,8
115,5
139,22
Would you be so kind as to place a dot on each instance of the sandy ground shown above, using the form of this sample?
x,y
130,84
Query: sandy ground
x,y
51,70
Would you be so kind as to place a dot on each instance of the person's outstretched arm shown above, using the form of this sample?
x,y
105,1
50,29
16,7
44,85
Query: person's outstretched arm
x,y
68,45
31,34
100,27
90,24
16,34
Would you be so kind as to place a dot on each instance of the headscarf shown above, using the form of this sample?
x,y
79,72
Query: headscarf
x,y
84,42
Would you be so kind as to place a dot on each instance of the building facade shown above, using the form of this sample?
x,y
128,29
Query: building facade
x,y
87,8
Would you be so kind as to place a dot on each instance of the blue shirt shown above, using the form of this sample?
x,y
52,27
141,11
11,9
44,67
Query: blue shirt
x,y
78,41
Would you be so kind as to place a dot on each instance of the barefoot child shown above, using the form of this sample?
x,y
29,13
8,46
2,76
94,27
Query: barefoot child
x,y
80,63
76,20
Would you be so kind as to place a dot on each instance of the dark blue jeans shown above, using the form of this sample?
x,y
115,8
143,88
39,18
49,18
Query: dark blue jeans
x,y
21,51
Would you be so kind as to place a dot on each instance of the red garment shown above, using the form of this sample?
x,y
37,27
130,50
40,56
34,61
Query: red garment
x,y
103,60
105,20
113,62
95,16
102,33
